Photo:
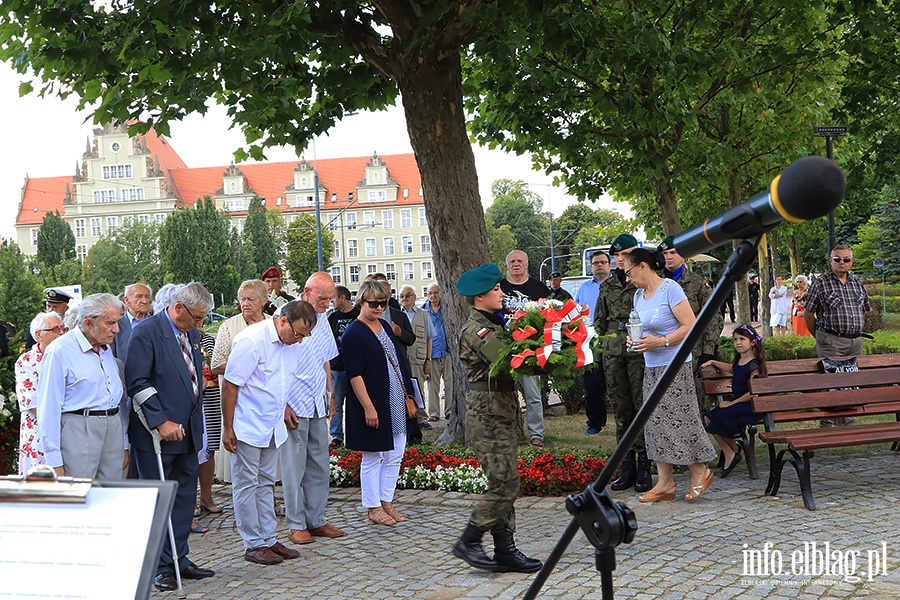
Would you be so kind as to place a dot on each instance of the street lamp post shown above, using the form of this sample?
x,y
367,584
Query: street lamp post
x,y
318,210
829,133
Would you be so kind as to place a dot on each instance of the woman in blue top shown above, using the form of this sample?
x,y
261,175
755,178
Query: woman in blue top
x,y
674,434
728,420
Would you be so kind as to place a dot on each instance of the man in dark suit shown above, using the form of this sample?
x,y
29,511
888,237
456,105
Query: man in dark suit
x,y
137,303
164,374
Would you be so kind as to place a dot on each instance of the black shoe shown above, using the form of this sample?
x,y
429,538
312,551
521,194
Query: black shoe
x,y
165,582
643,481
507,555
424,426
195,572
627,475
468,547
734,462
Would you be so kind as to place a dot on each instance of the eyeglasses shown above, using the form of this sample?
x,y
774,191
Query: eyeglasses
x,y
628,272
845,259
59,329
599,262
196,320
297,334
377,303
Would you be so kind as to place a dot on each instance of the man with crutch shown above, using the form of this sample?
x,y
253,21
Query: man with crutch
x,y
163,375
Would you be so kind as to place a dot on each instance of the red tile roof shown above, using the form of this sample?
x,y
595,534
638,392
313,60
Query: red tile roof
x,y
269,180
41,195
160,147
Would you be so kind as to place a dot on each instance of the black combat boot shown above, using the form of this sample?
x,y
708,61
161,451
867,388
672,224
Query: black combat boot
x,y
468,547
511,558
626,474
643,482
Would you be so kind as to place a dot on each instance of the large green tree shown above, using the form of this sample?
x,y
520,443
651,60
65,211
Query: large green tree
x,y
194,245
286,71
55,240
302,255
128,255
580,227
20,292
261,232
501,241
520,208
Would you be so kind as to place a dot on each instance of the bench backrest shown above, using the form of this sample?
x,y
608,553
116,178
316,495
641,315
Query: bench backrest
x,y
827,390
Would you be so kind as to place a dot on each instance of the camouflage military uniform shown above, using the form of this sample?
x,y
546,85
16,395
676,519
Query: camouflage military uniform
x,y
491,412
624,370
697,294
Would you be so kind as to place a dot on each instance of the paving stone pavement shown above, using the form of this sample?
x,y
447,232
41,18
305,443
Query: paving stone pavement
x,y
683,550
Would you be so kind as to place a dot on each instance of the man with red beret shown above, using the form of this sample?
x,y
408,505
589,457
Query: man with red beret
x,y
272,279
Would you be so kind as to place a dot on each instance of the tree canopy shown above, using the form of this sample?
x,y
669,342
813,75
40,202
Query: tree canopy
x,y
55,240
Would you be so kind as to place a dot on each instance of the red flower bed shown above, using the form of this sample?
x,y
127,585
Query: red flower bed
x,y
546,475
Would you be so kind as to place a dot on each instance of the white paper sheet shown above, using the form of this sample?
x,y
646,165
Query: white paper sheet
x,y
417,392
93,550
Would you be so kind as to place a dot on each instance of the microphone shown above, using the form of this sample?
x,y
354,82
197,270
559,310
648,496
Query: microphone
x,y
808,188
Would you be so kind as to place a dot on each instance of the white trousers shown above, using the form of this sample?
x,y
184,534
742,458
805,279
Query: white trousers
x,y
379,472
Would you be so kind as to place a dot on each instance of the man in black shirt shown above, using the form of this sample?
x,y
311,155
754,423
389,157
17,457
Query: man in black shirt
x,y
519,289
344,314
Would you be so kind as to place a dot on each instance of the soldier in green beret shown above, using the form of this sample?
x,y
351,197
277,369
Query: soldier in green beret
x,y
697,294
491,411
624,370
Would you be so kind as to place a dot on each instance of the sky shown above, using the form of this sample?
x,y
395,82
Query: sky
x,y
45,137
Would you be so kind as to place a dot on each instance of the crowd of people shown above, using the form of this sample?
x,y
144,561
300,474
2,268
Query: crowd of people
x,y
285,380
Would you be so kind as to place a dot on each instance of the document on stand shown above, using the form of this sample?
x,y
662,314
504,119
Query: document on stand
x,y
93,550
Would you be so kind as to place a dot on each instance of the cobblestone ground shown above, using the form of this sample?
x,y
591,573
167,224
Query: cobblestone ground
x,y
683,550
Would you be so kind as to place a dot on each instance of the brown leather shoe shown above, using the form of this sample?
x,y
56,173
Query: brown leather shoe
x,y
262,556
300,536
326,531
283,551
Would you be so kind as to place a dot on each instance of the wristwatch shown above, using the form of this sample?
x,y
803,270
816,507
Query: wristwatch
x,y
665,337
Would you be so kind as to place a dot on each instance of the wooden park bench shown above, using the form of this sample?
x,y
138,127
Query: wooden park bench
x,y
789,395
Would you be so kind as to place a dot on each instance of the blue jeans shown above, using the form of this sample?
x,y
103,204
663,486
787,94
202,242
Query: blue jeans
x,y
339,381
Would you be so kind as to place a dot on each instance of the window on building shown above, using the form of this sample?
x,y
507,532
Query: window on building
x,y
387,219
426,270
80,227
352,248
425,291
160,218
406,192
405,217
234,204
421,192
96,227
127,220
112,223
408,273
34,233
376,196
336,252
406,244
81,252
389,246
101,196
132,194
369,219
145,219
350,219
336,275
354,273
116,171
390,270
239,225
423,221
371,270
370,246
425,244
332,224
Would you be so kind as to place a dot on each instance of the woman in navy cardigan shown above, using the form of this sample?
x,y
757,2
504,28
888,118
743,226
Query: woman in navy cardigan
x,y
376,406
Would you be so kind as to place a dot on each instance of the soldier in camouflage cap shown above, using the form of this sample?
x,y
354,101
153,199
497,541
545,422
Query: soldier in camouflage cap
x,y
624,370
697,294
491,411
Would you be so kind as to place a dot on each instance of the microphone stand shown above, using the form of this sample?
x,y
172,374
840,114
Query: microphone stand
x,y
606,523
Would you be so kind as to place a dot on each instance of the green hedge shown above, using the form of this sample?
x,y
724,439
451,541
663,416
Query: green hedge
x,y
792,346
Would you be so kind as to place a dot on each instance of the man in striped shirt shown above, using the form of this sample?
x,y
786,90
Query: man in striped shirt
x,y
304,455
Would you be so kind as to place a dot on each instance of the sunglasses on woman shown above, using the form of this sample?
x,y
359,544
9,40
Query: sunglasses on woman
x,y
377,303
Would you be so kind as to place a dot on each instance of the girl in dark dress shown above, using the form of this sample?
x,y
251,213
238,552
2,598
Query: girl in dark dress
x,y
726,422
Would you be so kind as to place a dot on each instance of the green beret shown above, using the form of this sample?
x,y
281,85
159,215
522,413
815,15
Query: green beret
x,y
623,242
668,243
479,280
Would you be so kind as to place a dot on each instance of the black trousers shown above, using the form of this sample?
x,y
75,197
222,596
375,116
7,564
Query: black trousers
x,y
595,395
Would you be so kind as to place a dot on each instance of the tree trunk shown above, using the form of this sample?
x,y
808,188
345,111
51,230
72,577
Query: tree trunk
x,y
765,284
794,253
431,88
668,207
773,253
741,292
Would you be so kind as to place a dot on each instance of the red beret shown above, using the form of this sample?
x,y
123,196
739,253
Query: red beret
x,y
271,272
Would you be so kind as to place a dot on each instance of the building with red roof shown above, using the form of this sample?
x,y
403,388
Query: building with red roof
x,y
373,205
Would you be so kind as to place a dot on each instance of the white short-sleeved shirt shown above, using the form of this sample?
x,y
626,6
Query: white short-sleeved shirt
x,y
262,366
307,395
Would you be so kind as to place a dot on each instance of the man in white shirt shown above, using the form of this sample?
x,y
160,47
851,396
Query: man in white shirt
x,y
80,396
780,307
310,404
254,397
